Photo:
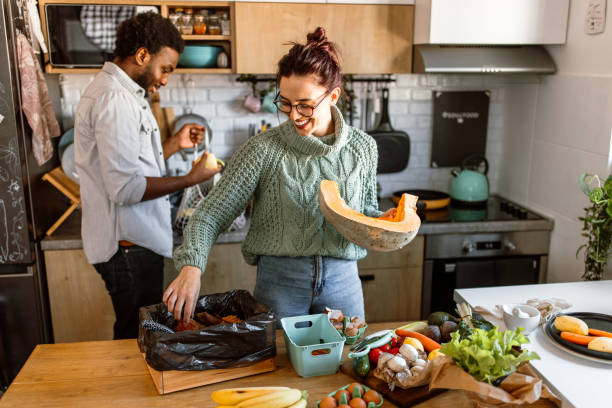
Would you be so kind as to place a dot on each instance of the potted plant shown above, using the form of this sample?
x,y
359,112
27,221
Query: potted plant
x,y
597,225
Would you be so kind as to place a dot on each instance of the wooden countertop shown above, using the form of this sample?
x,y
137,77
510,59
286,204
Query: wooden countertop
x,y
113,374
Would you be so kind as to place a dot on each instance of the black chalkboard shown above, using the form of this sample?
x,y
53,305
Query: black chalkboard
x,y
459,126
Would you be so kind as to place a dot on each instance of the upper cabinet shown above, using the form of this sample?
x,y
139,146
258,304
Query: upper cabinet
x,y
373,38
491,22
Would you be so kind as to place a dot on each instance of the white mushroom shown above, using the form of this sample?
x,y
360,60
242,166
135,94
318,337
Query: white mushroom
x,y
416,370
384,357
419,363
409,352
397,364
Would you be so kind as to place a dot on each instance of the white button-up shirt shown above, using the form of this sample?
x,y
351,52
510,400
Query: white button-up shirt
x,y
117,145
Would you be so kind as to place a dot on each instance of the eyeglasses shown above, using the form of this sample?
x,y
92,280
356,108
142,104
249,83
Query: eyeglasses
x,y
302,108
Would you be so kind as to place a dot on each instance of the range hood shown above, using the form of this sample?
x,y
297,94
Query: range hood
x,y
488,36
448,59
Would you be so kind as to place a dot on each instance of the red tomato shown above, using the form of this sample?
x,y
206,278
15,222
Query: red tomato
x,y
394,350
374,355
385,348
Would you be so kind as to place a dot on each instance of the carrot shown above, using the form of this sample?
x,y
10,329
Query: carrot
x,y
428,344
600,333
577,338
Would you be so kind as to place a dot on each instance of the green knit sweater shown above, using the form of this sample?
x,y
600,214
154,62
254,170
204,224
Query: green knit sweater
x,y
282,170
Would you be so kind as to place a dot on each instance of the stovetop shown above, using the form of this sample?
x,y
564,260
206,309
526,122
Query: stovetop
x,y
497,209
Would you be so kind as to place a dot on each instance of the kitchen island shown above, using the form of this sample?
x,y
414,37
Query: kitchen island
x,y
580,383
113,374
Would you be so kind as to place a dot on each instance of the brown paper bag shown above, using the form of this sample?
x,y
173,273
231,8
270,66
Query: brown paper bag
x,y
520,387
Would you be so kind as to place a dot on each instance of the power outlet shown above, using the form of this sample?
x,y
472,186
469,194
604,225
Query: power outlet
x,y
595,21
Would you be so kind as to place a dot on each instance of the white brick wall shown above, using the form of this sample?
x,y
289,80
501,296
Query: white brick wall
x,y
219,99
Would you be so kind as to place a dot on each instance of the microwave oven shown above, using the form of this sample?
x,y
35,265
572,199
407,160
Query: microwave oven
x,y
83,35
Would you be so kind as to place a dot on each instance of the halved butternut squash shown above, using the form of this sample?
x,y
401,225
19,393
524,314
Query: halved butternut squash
x,y
378,234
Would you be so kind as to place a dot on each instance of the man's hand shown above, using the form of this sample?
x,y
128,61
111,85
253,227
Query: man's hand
x,y
182,294
190,135
200,173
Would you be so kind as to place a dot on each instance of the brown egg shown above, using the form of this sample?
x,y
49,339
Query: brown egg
x,y
341,393
328,402
371,396
358,403
352,386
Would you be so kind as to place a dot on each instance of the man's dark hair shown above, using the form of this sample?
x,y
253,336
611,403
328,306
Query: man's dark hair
x,y
149,30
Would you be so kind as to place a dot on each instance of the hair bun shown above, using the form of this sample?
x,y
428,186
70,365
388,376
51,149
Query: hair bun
x,y
317,38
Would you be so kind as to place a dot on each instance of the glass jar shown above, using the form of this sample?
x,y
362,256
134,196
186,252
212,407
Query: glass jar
x,y
199,23
214,27
187,22
225,24
177,18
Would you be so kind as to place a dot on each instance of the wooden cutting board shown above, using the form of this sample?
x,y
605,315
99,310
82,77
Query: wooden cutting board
x,y
399,396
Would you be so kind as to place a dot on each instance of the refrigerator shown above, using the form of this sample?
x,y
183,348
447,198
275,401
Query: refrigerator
x,y
28,206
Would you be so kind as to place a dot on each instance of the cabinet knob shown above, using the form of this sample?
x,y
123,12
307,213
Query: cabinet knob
x,y
509,246
468,247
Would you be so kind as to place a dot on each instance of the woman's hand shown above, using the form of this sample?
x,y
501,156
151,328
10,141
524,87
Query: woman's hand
x,y
182,294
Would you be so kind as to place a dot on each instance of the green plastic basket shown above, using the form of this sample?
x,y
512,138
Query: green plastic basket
x,y
356,395
307,334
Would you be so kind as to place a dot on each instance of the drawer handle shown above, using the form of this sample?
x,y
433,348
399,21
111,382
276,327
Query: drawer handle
x,y
367,278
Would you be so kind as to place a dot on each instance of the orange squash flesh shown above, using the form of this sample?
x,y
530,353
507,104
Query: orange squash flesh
x,y
379,234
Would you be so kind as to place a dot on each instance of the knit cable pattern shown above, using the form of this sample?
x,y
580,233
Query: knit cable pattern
x,y
281,170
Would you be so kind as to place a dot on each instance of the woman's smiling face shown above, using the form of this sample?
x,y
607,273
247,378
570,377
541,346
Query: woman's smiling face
x,y
305,92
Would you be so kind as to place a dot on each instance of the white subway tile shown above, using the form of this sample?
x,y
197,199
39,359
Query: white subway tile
x,y
205,109
398,108
399,94
422,148
230,109
407,81
226,95
403,122
423,122
421,108
221,124
421,94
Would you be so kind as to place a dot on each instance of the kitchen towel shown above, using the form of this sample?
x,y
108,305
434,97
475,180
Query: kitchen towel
x,y
35,102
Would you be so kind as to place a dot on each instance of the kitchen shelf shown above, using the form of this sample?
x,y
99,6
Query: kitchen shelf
x,y
203,71
50,69
206,37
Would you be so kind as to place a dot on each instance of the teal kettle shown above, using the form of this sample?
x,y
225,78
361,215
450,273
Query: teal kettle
x,y
470,187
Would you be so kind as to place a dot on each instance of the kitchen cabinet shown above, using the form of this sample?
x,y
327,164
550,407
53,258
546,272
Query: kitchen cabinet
x,y
81,308
373,39
392,283
164,7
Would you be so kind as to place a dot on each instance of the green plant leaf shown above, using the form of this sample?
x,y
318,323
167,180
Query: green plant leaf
x,y
584,184
596,195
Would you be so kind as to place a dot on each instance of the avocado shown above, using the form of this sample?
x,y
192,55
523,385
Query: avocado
x,y
438,318
433,332
446,329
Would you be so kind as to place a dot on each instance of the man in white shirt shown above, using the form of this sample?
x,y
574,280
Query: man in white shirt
x,y
126,226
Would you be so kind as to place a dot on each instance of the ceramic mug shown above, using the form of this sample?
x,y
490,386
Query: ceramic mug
x,y
267,103
252,103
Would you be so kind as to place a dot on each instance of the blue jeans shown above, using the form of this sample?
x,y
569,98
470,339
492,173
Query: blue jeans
x,y
296,286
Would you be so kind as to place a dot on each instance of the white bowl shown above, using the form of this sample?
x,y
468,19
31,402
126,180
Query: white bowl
x,y
513,320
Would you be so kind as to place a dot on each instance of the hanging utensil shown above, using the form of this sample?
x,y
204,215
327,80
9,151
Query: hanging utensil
x,y
393,145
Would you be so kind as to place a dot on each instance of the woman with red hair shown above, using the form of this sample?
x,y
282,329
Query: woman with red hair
x,y
303,263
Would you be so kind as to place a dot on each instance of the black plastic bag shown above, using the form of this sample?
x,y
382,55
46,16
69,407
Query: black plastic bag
x,y
220,346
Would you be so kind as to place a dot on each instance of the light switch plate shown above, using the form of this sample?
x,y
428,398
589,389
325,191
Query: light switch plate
x,y
595,21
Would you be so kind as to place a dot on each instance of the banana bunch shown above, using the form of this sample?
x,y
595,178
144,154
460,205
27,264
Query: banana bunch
x,y
260,397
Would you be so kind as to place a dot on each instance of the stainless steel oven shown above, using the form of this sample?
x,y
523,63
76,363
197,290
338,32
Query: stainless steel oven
x,y
468,260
